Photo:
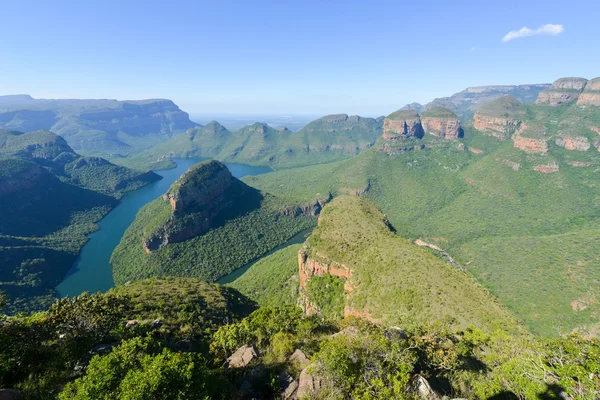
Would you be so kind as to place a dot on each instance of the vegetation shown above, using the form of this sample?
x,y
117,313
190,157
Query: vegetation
x,y
273,280
525,235
88,348
330,138
51,197
242,223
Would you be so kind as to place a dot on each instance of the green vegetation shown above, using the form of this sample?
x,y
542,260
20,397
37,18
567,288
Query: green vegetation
x,y
88,347
107,128
327,139
404,115
50,199
202,237
503,107
438,112
327,293
273,280
527,236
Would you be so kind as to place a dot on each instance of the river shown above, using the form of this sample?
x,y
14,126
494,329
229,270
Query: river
x,y
92,271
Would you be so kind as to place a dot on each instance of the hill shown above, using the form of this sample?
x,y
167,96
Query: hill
x,y
354,264
327,139
490,201
107,128
50,198
207,225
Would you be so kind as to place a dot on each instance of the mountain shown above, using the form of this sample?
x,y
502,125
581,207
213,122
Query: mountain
x,y
354,264
327,139
466,102
514,201
108,128
207,225
50,198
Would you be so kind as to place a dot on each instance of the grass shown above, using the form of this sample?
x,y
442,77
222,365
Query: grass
x,y
273,280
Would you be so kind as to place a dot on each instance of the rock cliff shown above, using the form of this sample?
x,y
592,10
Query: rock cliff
x,y
196,202
591,94
562,91
499,118
441,122
403,124
579,143
531,138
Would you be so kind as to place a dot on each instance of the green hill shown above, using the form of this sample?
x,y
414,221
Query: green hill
x,y
483,199
50,198
107,128
327,139
388,279
207,225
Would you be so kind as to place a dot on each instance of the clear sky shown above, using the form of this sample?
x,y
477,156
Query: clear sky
x,y
294,57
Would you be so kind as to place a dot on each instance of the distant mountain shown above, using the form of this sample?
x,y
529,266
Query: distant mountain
x,y
466,102
330,138
97,127
50,198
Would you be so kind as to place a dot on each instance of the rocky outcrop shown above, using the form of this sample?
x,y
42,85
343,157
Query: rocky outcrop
x,y
311,210
579,143
531,138
196,199
591,94
309,384
403,124
562,91
242,357
547,168
442,123
499,118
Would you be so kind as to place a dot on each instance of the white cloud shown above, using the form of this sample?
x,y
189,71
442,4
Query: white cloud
x,y
548,29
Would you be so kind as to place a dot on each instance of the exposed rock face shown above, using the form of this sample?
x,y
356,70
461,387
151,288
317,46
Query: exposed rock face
x,y
531,138
591,94
547,168
497,127
499,118
196,199
529,145
308,385
402,123
242,357
562,91
442,123
311,209
579,143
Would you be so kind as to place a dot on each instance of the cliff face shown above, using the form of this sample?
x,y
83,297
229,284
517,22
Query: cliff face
x,y
591,94
195,200
562,91
531,138
579,143
402,124
499,118
441,122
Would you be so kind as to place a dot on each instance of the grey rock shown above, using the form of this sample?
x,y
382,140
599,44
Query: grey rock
x,y
242,357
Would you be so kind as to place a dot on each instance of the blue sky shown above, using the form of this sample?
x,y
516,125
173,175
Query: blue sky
x,y
289,57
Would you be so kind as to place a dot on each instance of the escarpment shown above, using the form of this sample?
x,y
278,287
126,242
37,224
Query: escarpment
x,y
354,264
531,138
199,200
562,91
442,123
591,94
402,124
499,118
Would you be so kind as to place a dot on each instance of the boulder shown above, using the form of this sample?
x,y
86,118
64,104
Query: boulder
x,y
308,384
299,357
288,386
424,390
242,357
